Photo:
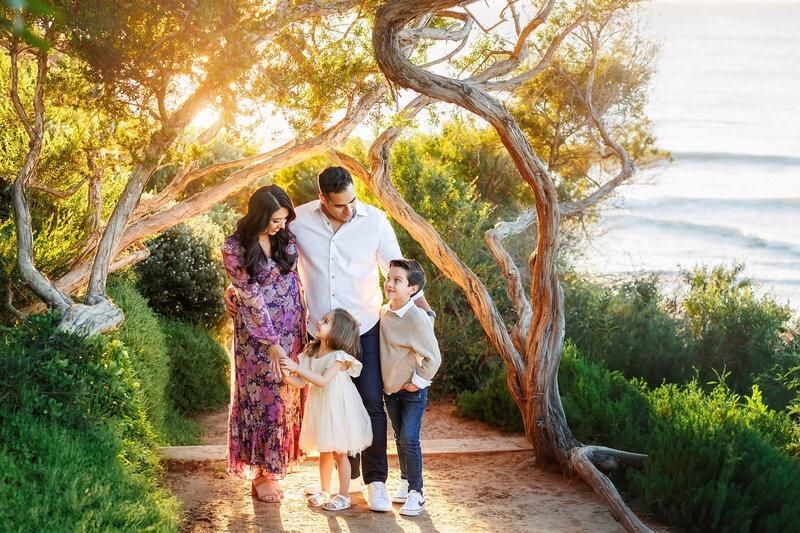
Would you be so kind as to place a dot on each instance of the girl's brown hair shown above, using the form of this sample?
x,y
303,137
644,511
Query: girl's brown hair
x,y
343,336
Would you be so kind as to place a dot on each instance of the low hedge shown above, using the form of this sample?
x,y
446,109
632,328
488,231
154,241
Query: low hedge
x,y
76,449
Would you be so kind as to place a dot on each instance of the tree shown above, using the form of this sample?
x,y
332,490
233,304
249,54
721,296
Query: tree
x,y
173,62
157,65
532,348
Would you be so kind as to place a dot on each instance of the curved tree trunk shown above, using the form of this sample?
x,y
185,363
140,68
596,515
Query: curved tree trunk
x,y
543,413
535,386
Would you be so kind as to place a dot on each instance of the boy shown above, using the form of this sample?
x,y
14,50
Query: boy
x,y
410,358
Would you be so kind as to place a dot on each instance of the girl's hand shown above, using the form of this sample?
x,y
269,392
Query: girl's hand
x,y
287,365
410,387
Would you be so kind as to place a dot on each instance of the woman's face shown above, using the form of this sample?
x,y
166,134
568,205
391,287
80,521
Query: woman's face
x,y
277,222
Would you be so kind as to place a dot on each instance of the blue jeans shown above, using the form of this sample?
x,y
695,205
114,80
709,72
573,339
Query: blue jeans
x,y
374,466
405,411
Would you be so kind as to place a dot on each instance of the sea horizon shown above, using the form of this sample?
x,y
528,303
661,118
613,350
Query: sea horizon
x,y
723,105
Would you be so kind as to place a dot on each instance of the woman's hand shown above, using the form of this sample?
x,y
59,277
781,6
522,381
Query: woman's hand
x,y
275,353
230,301
410,387
288,365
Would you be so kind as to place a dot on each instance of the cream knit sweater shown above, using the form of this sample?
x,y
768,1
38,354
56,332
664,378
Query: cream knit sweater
x,y
408,346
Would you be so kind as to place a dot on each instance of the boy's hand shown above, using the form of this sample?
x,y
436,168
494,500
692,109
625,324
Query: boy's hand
x,y
230,301
410,387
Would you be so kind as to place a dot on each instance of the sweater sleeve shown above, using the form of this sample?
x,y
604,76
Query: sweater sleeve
x,y
252,307
426,347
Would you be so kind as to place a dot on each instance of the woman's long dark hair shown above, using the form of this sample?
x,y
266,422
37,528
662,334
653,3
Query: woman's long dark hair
x,y
260,208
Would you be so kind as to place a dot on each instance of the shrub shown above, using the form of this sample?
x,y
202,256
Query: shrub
x,y
717,461
734,330
199,370
628,326
56,478
76,449
602,406
492,403
183,277
141,333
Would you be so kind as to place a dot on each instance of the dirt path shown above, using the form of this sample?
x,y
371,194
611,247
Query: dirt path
x,y
492,492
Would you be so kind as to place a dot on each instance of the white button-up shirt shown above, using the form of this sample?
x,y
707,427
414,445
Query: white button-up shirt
x,y
341,269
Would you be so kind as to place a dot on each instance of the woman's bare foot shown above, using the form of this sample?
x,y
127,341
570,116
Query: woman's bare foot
x,y
266,490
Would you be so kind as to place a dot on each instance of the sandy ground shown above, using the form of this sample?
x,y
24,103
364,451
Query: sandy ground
x,y
491,492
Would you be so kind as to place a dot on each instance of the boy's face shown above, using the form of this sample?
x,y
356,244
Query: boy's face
x,y
396,285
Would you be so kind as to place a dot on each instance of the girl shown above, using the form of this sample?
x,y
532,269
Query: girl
x,y
335,421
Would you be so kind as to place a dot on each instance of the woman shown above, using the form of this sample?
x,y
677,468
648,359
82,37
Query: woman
x,y
265,413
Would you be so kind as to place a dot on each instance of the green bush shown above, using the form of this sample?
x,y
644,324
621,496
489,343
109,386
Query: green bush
x,y
183,277
717,461
492,403
629,326
141,333
76,449
734,330
602,406
199,372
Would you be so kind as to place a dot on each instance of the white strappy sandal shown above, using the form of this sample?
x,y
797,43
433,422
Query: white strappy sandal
x,y
318,499
337,503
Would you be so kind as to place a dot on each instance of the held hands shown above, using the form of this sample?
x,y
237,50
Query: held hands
x,y
410,387
287,365
276,353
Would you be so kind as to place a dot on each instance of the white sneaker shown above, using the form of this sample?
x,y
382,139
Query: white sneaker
x,y
402,492
413,505
378,497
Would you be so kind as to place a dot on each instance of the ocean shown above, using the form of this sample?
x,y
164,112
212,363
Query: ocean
x,y
726,103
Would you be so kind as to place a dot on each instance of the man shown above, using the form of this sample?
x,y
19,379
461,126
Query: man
x,y
342,245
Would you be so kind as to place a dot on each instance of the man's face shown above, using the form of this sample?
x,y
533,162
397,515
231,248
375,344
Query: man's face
x,y
340,206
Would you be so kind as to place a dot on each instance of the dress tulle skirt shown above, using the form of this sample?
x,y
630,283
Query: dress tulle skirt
x,y
335,419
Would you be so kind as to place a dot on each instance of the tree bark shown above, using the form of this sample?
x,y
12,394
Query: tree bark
x,y
37,281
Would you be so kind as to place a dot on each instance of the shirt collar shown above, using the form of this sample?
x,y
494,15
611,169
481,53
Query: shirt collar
x,y
402,311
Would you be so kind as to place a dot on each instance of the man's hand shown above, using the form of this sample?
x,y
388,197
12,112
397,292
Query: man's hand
x,y
275,353
410,387
230,301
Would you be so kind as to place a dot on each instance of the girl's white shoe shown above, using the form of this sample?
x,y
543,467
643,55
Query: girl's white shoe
x,y
337,503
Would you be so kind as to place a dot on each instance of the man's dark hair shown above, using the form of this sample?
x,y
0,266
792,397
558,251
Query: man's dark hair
x,y
334,179
414,272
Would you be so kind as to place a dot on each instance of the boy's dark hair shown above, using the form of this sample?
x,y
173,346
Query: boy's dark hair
x,y
414,272
334,179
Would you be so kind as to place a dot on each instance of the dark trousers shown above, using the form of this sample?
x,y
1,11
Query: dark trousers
x,y
374,466
405,410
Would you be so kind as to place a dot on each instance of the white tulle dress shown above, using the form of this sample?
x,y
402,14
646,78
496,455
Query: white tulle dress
x,y
335,419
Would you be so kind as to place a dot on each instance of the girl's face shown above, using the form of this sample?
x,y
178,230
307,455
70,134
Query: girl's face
x,y
324,326
277,222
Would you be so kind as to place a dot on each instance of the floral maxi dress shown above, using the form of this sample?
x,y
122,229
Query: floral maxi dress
x,y
265,414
